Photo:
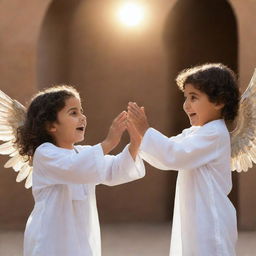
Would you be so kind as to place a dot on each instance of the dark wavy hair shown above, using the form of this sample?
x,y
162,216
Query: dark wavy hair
x,y
217,81
42,110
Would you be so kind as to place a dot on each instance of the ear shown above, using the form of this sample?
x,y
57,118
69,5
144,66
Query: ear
x,y
219,106
51,127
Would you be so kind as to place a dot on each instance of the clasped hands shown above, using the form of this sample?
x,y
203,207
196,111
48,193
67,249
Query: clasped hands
x,y
134,120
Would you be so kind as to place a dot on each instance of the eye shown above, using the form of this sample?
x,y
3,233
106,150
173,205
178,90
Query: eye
x,y
193,97
73,113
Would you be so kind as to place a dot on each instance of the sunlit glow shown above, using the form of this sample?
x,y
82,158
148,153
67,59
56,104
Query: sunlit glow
x,y
131,14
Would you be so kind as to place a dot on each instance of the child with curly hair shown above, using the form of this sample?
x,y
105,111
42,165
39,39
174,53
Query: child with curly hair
x,y
204,221
64,221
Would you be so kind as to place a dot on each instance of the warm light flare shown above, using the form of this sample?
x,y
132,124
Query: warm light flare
x,y
131,14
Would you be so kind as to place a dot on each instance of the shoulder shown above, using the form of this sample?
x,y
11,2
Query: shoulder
x,y
216,129
189,130
49,150
45,146
82,147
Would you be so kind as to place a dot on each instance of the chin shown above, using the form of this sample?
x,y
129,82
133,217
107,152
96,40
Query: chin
x,y
79,140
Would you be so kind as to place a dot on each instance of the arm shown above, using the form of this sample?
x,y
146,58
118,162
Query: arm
x,y
180,152
90,165
60,166
126,166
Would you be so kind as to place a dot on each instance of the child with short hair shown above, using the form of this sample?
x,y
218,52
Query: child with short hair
x,y
204,221
64,221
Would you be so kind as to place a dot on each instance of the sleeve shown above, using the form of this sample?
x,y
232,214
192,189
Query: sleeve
x,y
122,168
181,152
88,166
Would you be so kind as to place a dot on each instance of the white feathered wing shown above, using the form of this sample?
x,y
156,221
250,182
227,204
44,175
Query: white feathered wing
x,y
12,116
243,138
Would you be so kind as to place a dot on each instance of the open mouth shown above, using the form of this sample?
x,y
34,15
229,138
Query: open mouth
x,y
82,128
192,114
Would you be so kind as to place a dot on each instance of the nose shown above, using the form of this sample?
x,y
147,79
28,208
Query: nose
x,y
83,117
186,105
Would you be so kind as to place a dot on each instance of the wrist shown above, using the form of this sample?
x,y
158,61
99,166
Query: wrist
x,y
133,149
143,131
106,146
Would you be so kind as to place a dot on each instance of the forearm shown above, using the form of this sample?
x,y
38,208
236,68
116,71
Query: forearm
x,y
134,149
106,146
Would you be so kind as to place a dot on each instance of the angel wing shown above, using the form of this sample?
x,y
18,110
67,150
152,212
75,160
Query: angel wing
x,y
243,138
12,116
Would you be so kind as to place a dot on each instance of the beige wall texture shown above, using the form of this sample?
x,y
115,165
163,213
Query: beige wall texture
x,y
81,43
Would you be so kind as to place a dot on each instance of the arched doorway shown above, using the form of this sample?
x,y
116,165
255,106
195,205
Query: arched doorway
x,y
196,32
53,65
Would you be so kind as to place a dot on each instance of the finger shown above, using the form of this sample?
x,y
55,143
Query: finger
x,y
130,126
135,112
121,116
132,119
133,105
123,113
136,108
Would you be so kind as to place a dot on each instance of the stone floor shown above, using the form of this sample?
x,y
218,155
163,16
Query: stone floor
x,y
129,240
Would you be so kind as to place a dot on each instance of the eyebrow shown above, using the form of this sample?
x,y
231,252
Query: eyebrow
x,y
193,93
75,108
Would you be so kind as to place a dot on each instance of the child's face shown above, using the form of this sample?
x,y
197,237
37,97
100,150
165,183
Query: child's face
x,y
70,125
198,107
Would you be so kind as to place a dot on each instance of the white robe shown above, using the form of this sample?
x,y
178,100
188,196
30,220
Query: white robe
x,y
204,221
64,221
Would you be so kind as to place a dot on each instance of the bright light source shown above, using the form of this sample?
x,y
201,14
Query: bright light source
x,y
131,14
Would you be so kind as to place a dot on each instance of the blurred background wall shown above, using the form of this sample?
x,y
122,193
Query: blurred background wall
x,y
82,43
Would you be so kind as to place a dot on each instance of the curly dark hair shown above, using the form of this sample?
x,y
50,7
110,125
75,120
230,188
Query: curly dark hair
x,y
42,110
217,81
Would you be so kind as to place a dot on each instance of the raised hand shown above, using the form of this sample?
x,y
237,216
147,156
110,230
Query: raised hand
x,y
115,133
137,115
135,138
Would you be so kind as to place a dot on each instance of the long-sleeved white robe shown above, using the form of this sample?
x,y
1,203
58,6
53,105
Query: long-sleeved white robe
x,y
64,221
204,221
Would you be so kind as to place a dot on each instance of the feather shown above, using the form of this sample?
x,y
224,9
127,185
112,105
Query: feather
x,y
6,137
13,154
28,183
5,127
4,105
243,144
6,145
23,173
12,116
252,153
7,150
13,161
18,166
